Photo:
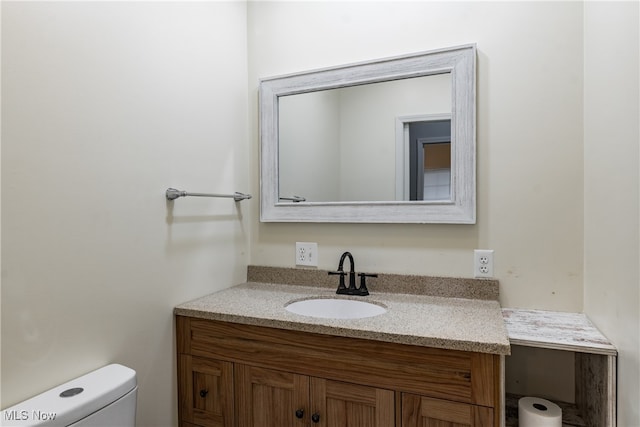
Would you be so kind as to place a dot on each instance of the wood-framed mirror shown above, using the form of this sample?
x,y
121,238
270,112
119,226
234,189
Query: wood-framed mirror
x,y
385,141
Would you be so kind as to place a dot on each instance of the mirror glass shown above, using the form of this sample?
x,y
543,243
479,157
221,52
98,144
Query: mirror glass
x,y
339,145
389,140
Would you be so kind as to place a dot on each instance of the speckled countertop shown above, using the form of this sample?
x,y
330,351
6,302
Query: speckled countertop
x,y
467,324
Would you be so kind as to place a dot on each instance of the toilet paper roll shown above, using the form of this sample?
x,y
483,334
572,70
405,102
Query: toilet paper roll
x,y
537,412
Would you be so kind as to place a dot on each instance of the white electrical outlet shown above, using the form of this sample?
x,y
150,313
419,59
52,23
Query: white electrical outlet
x,y
483,263
307,254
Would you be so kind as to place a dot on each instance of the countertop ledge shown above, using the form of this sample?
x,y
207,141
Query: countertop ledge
x,y
463,324
450,287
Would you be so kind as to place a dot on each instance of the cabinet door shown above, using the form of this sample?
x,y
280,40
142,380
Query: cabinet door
x,y
269,398
206,392
339,404
420,411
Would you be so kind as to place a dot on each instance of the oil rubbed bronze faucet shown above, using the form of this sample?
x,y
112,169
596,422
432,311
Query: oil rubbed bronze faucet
x,y
351,290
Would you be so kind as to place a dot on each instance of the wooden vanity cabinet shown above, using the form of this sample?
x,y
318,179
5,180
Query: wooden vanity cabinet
x,y
281,399
251,376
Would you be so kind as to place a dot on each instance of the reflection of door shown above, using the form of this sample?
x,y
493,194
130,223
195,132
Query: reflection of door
x,y
430,160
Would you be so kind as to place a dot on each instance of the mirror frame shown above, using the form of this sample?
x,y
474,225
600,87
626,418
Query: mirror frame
x,y
460,61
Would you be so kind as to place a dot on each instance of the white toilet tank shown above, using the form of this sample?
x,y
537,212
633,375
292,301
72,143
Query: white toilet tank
x,y
102,398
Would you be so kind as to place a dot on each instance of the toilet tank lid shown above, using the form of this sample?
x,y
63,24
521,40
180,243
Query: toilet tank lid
x,y
66,404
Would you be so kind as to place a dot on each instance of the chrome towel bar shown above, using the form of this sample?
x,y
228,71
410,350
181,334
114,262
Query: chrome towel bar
x,y
173,194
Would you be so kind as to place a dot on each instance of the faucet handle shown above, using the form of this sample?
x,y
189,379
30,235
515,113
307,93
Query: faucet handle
x,y
362,290
341,273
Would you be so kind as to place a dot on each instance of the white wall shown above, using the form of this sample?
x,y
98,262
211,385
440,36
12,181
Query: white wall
x,y
530,169
309,152
104,106
612,187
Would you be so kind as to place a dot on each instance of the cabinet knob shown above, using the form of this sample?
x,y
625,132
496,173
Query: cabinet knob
x,y
203,393
299,413
315,418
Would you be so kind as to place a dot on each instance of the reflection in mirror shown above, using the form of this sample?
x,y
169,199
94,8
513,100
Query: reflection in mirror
x,y
388,140
436,171
339,145
429,169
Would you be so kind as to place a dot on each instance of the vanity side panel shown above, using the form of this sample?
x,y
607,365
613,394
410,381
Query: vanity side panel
x,y
500,406
185,397
183,335
483,375
183,347
595,389
445,374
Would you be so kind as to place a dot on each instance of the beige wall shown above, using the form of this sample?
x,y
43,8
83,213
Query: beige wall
x,y
104,106
612,186
530,169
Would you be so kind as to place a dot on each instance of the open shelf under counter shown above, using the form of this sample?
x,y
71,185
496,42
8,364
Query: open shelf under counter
x,y
595,362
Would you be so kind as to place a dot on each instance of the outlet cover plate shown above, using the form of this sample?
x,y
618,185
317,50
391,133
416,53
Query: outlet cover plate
x,y
483,263
307,254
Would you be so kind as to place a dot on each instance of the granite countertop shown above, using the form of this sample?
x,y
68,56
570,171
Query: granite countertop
x,y
466,324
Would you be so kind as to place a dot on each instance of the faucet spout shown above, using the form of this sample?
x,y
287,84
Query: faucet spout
x,y
352,271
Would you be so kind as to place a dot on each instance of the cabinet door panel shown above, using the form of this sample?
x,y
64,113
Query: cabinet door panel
x,y
268,398
206,390
420,411
349,405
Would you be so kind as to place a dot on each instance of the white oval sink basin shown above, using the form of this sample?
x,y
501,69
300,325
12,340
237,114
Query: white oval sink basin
x,y
334,308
